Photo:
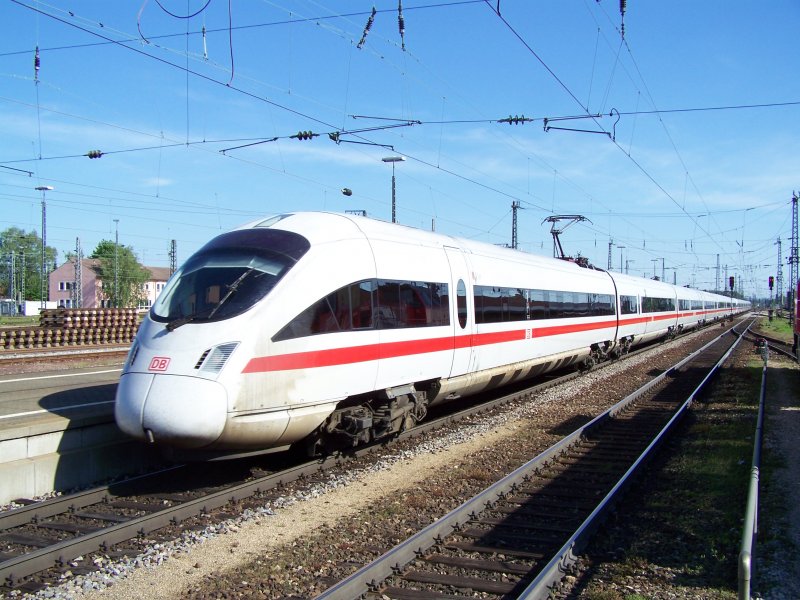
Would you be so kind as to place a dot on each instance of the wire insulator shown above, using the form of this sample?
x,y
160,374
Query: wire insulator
x,y
401,24
367,27
36,64
515,120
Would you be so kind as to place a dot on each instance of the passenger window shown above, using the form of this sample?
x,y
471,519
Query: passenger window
x,y
413,305
629,305
361,296
461,303
373,304
333,313
388,305
436,298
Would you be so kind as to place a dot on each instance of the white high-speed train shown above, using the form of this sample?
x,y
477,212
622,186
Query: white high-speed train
x,y
333,330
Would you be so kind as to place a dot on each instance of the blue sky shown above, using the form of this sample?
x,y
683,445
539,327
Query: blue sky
x,y
699,158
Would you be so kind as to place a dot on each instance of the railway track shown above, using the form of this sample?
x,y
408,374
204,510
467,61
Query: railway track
x,y
780,346
517,538
69,353
40,541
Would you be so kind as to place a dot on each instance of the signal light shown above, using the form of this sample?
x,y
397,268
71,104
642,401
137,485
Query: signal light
x,y
771,282
730,281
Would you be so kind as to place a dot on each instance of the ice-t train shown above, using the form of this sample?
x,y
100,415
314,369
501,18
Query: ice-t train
x,y
331,330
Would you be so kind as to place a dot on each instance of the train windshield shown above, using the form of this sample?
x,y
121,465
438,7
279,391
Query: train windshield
x,y
228,276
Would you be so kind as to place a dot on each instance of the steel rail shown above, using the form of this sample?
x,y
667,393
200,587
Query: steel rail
x,y
781,349
779,346
541,587
368,578
773,339
37,511
14,569
63,352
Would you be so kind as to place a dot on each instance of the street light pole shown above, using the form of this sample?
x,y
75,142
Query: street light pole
x,y
44,280
393,160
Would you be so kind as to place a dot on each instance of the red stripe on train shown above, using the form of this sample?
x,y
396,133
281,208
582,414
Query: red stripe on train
x,y
355,354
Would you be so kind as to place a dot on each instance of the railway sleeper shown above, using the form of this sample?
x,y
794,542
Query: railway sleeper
x,y
399,593
519,523
543,511
597,476
485,548
517,539
461,582
476,564
554,491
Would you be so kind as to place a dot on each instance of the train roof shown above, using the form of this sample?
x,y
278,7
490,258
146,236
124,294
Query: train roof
x,y
329,227
324,227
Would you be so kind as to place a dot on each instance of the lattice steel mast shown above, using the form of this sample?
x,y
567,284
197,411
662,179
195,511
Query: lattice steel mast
x,y
173,256
779,276
77,286
793,259
514,209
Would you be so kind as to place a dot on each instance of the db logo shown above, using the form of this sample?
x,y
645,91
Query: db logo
x,y
159,363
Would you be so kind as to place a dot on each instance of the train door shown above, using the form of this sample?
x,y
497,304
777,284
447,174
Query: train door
x,y
463,318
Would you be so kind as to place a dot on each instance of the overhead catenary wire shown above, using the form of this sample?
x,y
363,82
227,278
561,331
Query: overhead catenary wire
x,y
456,169
174,65
666,130
585,109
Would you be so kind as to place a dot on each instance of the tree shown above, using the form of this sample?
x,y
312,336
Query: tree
x,y
26,251
120,268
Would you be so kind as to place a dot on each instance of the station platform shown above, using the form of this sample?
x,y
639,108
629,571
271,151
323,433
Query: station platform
x,y
57,433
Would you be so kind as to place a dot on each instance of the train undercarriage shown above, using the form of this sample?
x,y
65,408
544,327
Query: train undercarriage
x,y
370,417
365,420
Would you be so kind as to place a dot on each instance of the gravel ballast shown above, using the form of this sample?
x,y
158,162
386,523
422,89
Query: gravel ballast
x,y
300,544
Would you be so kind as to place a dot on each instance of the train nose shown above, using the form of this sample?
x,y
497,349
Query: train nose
x,y
172,410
